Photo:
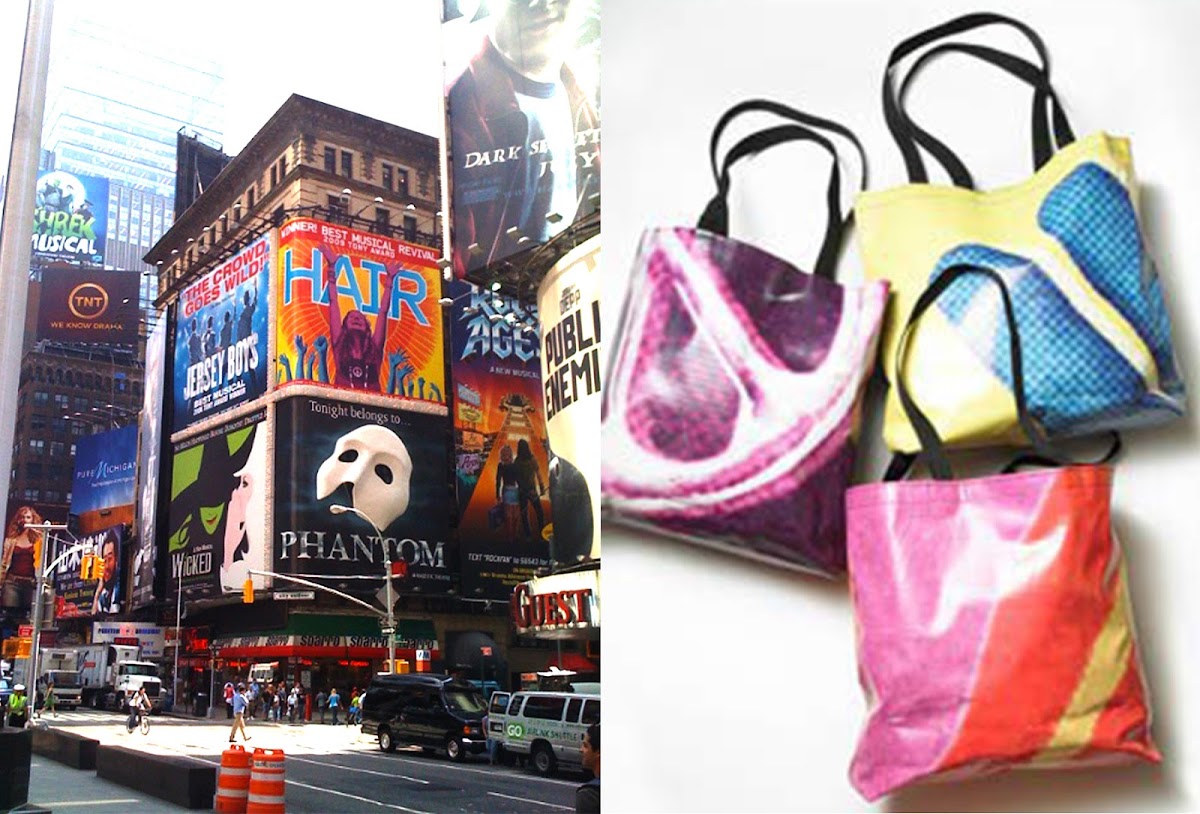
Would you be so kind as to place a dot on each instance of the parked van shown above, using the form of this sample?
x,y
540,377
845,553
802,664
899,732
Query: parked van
x,y
432,711
548,727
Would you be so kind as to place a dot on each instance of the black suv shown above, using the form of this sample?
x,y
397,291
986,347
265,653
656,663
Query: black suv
x,y
427,710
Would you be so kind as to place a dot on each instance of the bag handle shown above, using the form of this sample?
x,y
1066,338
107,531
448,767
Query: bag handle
x,y
908,135
716,214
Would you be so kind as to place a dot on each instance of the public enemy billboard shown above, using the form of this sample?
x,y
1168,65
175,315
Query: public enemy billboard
x,y
70,217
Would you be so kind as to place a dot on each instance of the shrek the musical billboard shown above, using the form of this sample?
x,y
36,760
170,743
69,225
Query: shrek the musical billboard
x,y
387,468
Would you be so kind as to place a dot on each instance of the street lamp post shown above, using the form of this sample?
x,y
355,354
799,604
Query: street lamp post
x,y
39,587
387,580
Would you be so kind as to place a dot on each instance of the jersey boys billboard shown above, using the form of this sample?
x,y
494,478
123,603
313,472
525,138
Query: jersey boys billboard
x,y
221,336
382,331
217,521
391,465
70,217
500,442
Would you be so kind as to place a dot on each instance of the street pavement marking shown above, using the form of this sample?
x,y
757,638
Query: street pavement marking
x,y
364,771
527,800
493,773
70,803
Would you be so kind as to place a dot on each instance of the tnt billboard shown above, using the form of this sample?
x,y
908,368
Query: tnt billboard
x,y
89,306
70,218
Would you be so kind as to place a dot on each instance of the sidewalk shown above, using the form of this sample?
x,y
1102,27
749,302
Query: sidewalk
x,y
74,791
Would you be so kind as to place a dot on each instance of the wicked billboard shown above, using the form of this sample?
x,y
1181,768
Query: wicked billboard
x,y
102,491
500,441
221,336
217,520
70,217
89,306
75,596
331,340
523,103
391,466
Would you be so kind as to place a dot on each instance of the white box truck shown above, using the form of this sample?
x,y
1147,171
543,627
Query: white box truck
x,y
61,667
111,672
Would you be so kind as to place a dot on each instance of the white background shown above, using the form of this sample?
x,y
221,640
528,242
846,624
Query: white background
x,y
730,687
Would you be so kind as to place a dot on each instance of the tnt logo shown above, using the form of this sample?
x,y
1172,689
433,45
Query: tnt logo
x,y
88,301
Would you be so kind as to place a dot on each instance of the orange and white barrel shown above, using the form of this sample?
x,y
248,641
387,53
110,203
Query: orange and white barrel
x,y
233,781
266,782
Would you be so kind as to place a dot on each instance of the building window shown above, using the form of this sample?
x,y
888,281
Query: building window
x,y
81,404
250,198
41,398
274,176
337,207
33,470
402,181
410,227
330,160
347,163
387,177
62,401
76,431
278,215
37,422
37,446
282,166
57,449
383,219
33,495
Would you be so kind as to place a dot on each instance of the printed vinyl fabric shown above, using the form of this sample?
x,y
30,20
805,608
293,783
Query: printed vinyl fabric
x,y
732,402
1089,303
994,628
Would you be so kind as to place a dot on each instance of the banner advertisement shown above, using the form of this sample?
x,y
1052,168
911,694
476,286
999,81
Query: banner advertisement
x,y
19,558
501,451
89,306
342,342
217,521
141,591
75,596
523,103
391,465
221,336
102,491
569,306
71,217
151,638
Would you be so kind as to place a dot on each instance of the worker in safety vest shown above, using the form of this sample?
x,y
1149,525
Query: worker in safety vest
x,y
17,706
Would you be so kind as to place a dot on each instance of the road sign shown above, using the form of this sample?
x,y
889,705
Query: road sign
x,y
387,631
399,568
24,631
293,594
486,651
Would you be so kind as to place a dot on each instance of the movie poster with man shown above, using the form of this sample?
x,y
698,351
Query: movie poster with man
x,y
221,336
75,596
70,218
382,332
217,520
501,451
389,469
523,109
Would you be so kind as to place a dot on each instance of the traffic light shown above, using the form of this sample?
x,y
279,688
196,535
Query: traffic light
x,y
248,592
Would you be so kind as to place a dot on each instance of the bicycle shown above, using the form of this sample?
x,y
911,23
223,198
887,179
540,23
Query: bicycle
x,y
143,723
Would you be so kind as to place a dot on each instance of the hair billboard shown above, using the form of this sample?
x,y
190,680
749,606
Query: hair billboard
x,y
388,468
221,336
381,331
501,449
523,103
569,307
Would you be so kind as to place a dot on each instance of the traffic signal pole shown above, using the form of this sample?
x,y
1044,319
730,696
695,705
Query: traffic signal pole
x,y
44,571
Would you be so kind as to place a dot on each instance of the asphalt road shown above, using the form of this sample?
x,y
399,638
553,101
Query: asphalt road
x,y
338,769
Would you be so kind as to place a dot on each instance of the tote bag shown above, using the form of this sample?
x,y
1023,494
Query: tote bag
x,y
993,617
1089,303
731,404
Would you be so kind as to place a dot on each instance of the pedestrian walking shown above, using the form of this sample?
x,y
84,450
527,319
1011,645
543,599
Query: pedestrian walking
x,y
277,705
255,691
352,715
322,699
335,704
51,703
292,703
228,700
241,702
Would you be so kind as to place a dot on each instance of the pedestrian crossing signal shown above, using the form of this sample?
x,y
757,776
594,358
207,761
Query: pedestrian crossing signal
x,y
248,592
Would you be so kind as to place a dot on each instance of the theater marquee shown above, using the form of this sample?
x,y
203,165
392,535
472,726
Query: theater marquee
x,y
562,606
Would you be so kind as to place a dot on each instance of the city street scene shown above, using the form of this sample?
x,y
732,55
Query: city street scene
x,y
300,397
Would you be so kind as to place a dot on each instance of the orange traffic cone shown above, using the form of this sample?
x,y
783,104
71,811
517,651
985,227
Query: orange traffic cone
x,y
233,781
266,782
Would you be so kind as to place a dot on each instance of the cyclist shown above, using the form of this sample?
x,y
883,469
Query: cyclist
x,y
138,703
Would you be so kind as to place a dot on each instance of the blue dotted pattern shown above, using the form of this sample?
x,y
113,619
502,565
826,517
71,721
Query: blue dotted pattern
x,y
1073,376
1091,214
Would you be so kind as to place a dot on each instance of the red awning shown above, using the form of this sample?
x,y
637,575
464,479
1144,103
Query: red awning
x,y
571,661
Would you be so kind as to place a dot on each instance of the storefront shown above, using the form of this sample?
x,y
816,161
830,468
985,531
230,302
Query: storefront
x,y
563,608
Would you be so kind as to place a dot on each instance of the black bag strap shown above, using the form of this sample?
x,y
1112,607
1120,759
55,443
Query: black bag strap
x,y
908,136
716,214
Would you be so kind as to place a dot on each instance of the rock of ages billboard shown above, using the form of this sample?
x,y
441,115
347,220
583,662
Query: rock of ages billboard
x,y
102,491
75,596
217,521
381,332
221,336
391,465
78,305
523,103
70,217
501,451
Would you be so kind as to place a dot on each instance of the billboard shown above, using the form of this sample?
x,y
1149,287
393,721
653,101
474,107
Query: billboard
x,y
217,516
569,306
70,217
89,306
391,465
221,336
75,596
343,342
18,560
501,452
523,103
141,591
102,491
